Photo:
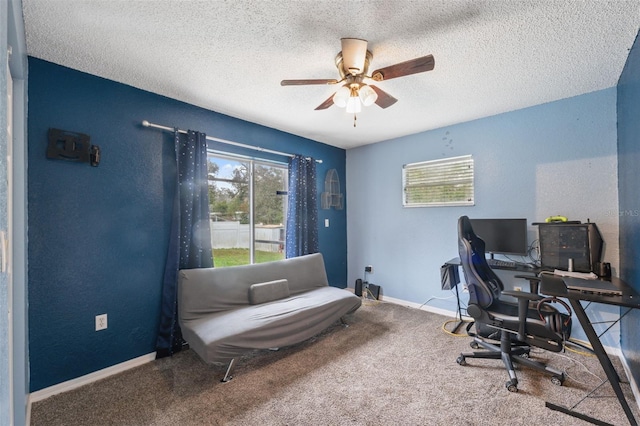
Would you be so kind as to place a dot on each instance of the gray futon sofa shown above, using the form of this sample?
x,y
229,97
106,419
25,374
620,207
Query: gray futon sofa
x,y
225,312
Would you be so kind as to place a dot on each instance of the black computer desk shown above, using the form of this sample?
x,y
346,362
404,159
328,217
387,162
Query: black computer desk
x,y
553,285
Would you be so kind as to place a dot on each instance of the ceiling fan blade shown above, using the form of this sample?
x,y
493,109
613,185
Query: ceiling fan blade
x,y
413,66
305,82
384,100
326,104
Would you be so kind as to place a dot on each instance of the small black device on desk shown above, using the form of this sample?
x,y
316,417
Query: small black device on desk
x,y
617,293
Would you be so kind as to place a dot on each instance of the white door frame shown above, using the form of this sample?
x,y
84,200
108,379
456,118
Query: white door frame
x,y
7,240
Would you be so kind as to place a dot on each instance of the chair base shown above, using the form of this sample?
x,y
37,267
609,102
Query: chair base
x,y
510,354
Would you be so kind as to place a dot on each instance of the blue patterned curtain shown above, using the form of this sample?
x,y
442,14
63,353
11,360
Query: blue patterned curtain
x,y
302,213
190,239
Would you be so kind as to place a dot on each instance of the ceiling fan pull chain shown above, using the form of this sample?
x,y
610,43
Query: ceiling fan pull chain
x,y
354,119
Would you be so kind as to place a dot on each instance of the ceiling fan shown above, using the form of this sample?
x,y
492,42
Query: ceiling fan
x,y
353,65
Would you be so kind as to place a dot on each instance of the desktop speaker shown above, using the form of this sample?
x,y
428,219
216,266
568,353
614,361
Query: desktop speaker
x,y
372,291
358,287
603,269
449,276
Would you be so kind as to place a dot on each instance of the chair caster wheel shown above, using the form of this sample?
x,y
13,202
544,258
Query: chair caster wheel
x,y
461,360
557,380
511,387
474,345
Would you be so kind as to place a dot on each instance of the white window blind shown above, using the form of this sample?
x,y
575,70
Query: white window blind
x,y
446,182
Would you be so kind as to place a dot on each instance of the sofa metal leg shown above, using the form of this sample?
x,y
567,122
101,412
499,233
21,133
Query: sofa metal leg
x,y
228,375
344,323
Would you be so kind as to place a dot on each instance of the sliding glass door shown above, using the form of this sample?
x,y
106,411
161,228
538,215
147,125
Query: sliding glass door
x,y
247,200
269,208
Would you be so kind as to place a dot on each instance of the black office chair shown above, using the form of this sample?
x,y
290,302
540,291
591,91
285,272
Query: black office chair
x,y
532,321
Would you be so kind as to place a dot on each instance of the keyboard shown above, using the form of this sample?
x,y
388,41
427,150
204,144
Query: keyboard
x,y
496,263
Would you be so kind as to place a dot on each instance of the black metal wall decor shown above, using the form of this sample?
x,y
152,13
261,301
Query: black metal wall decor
x,y
71,146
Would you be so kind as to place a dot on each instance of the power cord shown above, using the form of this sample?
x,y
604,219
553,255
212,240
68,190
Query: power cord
x,y
588,352
534,249
436,298
568,348
584,367
368,295
457,321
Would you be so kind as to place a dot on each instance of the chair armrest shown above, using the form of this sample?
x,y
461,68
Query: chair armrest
x,y
523,309
522,295
534,282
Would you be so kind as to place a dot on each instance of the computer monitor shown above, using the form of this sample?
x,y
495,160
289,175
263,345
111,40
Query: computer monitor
x,y
502,236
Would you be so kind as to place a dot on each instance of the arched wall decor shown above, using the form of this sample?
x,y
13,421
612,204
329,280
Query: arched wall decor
x,y
332,197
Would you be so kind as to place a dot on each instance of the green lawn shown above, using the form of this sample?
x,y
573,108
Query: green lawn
x,y
235,257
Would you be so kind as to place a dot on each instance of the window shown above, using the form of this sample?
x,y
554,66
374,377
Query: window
x,y
447,182
248,205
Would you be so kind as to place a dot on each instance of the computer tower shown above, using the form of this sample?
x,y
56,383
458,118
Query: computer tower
x,y
580,242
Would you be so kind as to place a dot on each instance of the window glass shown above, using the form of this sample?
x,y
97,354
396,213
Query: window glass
x,y
248,205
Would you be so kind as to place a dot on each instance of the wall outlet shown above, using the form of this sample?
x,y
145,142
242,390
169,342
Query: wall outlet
x,y
101,322
368,269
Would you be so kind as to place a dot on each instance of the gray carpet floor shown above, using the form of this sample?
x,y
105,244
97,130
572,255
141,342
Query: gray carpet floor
x,y
393,365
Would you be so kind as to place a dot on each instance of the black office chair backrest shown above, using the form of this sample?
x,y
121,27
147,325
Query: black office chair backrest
x,y
483,284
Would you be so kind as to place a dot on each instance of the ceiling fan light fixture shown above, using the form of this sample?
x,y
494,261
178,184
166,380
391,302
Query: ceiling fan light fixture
x,y
354,105
367,95
353,63
341,96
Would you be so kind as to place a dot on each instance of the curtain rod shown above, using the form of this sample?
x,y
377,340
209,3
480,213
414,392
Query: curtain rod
x,y
145,123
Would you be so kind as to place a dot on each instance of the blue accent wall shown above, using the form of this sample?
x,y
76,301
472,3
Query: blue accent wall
x,y
629,195
98,235
557,158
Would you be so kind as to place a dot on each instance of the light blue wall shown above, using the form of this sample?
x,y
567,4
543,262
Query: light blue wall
x,y
629,184
556,158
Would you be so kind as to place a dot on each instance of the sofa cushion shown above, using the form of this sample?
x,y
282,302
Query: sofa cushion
x,y
202,291
222,336
268,292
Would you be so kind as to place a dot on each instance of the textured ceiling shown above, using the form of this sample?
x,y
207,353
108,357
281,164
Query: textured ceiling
x,y
229,56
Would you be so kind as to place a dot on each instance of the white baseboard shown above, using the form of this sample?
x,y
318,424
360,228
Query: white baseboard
x,y
88,378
